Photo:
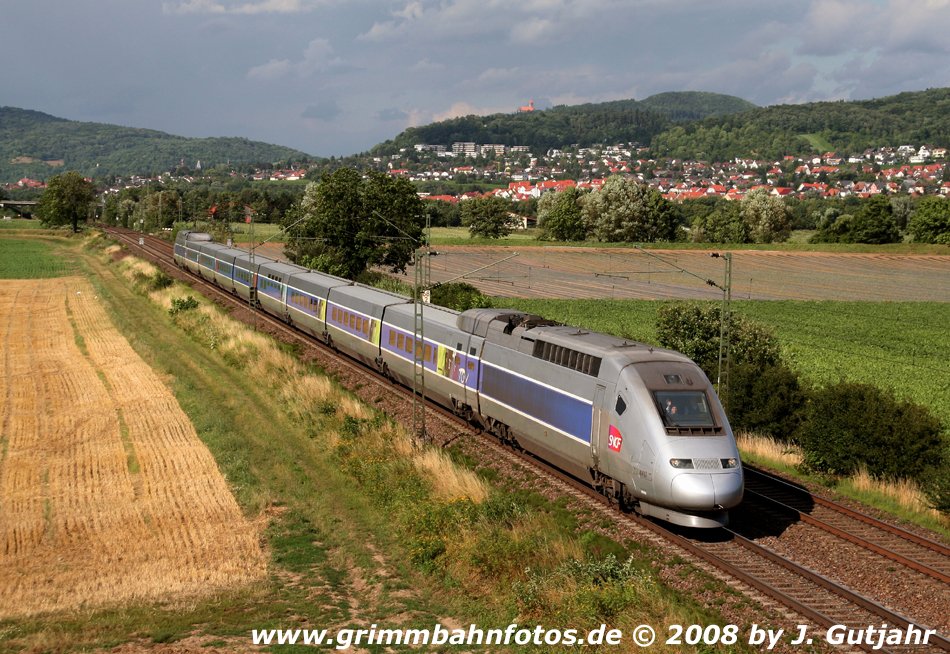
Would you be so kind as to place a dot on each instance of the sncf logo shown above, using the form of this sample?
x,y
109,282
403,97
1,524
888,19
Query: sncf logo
x,y
614,439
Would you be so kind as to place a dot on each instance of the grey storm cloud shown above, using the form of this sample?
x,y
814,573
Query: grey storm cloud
x,y
392,114
338,76
325,110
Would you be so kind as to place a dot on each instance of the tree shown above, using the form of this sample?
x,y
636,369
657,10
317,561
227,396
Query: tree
x,y
930,223
693,329
722,225
875,223
765,217
625,211
347,223
66,201
487,217
560,217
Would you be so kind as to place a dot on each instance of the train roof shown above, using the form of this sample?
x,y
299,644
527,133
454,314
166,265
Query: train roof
x,y
230,252
282,267
433,313
370,294
310,280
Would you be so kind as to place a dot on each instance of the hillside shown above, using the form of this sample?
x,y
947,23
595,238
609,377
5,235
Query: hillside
x,y
847,127
37,145
586,124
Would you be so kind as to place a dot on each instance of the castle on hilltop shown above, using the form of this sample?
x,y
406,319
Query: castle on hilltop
x,y
527,107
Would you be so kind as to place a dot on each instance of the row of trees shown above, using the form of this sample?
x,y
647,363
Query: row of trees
x,y
160,207
627,211
623,210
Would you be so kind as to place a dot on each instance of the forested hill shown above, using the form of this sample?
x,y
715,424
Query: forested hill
x,y
37,145
586,124
915,118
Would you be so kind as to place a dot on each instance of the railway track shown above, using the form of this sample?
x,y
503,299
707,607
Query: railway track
x,y
819,600
903,547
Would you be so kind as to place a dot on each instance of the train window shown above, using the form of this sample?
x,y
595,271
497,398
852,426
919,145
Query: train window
x,y
684,408
366,323
621,406
392,337
408,347
459,347
473,351
402,341
428,353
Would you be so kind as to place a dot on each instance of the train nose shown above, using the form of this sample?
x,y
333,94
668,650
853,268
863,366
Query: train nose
x,y
707,491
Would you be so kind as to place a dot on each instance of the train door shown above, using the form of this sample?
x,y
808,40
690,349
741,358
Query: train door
x,y
472,371
598,421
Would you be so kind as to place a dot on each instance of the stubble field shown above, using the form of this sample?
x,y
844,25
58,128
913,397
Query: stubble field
x,y
107,496
631,274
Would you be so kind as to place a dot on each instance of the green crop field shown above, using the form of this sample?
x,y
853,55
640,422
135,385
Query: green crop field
x,y
904,346
20,223
32,259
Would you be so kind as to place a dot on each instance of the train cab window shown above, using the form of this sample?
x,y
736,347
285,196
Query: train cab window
x,y
621,406
684,408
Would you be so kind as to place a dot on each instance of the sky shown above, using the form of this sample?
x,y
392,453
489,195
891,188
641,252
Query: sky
x,y
336,77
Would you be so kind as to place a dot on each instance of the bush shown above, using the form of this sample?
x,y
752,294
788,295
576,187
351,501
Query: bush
x,y
693,329
767,400
459,296
935,482
160,281
180,304
849,424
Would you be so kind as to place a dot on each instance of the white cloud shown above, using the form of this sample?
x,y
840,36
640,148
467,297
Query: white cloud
x,y
317,57
426,66
273,69
250,8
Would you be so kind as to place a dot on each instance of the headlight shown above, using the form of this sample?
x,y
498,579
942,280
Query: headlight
x,y
681,463
730,463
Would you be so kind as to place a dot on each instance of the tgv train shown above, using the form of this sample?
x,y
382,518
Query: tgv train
x,y
643,425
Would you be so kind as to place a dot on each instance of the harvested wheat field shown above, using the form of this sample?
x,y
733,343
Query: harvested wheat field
x,y
107,496
628,274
